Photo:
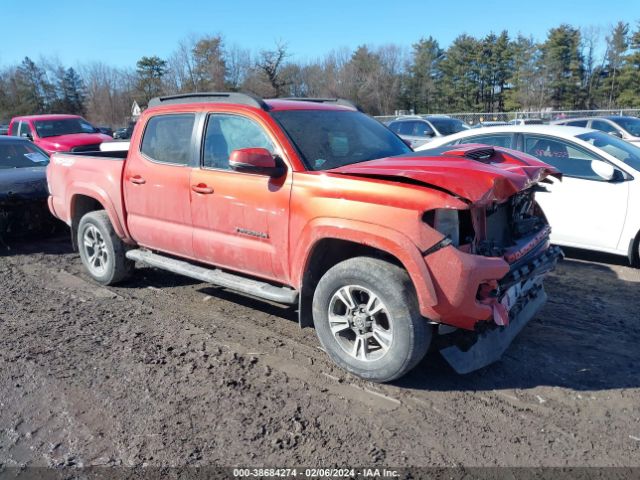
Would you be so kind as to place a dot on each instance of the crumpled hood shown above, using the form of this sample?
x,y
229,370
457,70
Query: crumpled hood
x,y
23,183
479,181
64,143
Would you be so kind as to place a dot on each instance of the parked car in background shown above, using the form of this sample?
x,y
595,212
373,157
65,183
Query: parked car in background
x,y
418,130
313,203
526,121
124,133
4,129
58,133
492,123
23,188
596,206
627,128
106,130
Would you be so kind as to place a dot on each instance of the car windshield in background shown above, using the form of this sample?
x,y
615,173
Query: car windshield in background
x,y
21,154
623,151
329,139
65,126
448,126
631,125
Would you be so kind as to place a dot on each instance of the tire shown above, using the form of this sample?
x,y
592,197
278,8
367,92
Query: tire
x,y
378,339
105,258
634,257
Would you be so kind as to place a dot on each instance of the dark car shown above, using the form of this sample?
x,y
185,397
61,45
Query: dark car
x,y
106,130
23,188
125,132
4,129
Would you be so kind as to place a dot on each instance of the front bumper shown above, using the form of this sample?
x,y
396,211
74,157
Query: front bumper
x,y
521,296
491,344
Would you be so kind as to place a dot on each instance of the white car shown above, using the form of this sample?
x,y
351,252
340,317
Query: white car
x,y
596,205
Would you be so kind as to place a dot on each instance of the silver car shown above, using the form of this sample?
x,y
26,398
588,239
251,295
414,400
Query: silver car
x,y
627,128
418,130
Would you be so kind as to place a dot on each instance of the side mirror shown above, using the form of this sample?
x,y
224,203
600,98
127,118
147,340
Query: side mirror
x,y
604,170
28,136
255,160
616,133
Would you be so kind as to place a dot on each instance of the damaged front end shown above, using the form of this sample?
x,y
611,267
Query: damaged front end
x,y
517,232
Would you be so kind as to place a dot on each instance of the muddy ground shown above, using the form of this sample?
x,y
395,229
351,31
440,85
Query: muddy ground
x,y
167,371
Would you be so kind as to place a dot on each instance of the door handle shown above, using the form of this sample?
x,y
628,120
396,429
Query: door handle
x,y
202,188
138,180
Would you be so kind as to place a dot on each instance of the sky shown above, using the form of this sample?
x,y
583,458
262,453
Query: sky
x,y
120,32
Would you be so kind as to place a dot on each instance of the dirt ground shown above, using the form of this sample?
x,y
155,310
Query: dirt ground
x,y
167,371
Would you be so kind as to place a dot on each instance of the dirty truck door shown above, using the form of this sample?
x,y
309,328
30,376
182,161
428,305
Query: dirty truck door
x,y
240,220
156,184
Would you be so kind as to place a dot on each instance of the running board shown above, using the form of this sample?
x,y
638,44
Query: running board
x,y
217,277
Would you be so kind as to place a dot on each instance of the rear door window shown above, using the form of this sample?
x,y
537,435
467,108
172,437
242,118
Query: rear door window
x,y
167,138
603,126
14,129
422,129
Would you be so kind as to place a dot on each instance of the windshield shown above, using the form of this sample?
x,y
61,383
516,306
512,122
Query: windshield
x,y
63,126
631,125
448,126
21,154
329,139
623,151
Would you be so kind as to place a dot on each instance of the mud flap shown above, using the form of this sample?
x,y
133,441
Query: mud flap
x,y
492,344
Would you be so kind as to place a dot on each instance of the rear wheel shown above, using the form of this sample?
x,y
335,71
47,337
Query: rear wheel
x,y
101,250
367,319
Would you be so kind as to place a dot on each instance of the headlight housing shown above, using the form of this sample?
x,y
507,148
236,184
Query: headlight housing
x,y
446,221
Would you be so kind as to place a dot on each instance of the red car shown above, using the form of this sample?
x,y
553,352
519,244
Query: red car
x,y
59,133
316,204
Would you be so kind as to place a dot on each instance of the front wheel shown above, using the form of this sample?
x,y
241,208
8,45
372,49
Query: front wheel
x,y
366,316
101,250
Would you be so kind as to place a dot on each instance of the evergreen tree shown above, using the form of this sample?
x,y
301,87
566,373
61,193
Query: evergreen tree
x,y
562,68
424,75
150,71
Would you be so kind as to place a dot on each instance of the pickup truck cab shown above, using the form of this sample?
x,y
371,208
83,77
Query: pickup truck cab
x,y
58,133
311,202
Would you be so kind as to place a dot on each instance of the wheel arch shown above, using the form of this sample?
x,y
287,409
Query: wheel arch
x,y
335,243
81,203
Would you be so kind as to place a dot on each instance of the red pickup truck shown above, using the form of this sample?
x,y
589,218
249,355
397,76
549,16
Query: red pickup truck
x,y
58,132
311,202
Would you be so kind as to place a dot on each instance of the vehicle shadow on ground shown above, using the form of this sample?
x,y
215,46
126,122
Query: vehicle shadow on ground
x,y
54,243
585,338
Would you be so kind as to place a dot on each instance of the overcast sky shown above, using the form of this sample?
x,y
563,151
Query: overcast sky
x,y
120,32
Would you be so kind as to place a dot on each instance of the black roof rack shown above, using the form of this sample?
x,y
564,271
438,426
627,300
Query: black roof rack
x,y
211,97
337,101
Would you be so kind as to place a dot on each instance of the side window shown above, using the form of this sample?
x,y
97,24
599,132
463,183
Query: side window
x,y
570,159
167,138
24,129
603,126
405,128
576,123
226,133
14,129
422,129
497,140
395,127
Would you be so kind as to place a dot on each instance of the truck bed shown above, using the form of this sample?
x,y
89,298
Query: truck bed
x,y
99,173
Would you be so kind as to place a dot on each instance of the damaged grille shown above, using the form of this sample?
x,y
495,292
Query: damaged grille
x,y
508,222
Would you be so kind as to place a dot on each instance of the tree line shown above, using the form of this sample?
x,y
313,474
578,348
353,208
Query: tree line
x,y
571,69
